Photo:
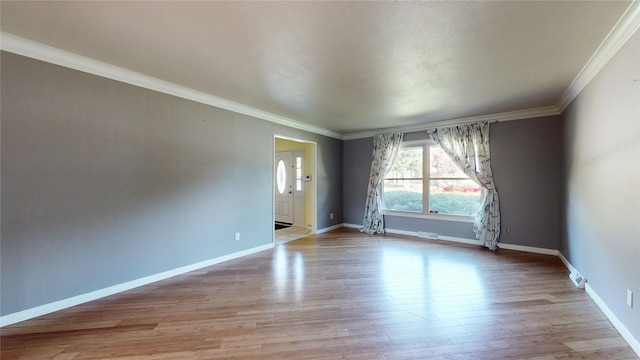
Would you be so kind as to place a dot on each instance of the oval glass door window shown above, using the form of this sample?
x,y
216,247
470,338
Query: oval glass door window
x,y
281,176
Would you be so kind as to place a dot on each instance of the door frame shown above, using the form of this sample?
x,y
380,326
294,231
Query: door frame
x,y
311,192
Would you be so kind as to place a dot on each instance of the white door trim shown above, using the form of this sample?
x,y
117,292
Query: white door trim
x,y
311,188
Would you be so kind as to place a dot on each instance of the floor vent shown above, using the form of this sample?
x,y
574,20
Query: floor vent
x,y
577,279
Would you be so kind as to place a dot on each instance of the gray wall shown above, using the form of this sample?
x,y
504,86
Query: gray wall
x,y
330,158
356,168
104,183
526,159
602,144
526,163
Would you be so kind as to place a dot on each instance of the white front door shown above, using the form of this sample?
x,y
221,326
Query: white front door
x,y
284,187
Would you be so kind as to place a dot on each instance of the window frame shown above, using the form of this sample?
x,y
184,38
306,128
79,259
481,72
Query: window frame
x,y
426,180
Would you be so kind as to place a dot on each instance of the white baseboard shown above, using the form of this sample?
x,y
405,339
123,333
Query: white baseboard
x,y
324,230
440,237
626,334
531,249
567,263
401,232
111,290
415,233
459,240
94,295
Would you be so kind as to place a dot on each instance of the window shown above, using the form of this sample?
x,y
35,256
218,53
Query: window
x,y
281,176
424,180
298,173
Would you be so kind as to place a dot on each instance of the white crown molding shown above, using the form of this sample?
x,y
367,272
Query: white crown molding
x,y
626,26
46,53
505,116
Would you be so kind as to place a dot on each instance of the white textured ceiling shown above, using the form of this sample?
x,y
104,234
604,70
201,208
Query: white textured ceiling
x,y
343,66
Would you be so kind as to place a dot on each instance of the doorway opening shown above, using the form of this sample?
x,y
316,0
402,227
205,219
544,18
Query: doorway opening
x,y
294,189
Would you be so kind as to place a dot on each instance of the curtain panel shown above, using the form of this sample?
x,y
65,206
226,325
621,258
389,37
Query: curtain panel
x,y
385,149
468,146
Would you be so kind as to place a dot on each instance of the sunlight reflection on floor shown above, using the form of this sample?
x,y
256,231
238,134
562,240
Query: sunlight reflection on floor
x,y
431,286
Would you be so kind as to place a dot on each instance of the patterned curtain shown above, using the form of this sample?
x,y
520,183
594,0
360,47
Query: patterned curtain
x,y
468,146
385,149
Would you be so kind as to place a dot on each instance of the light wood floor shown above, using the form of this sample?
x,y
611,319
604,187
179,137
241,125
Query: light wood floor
x,y
339,295
290,234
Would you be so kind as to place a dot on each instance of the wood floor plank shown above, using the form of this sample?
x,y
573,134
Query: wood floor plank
x,y
339,295
604,342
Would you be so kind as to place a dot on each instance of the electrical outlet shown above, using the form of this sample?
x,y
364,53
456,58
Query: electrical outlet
x,y
237,236
630,298
331,216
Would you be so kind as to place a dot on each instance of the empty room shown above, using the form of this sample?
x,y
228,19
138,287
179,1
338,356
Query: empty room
x,y
319,180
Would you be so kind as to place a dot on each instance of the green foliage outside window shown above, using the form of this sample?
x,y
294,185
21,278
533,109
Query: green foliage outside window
x,y
451,192
450,204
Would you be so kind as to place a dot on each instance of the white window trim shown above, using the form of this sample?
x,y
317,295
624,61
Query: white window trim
x,y
446,217
425,170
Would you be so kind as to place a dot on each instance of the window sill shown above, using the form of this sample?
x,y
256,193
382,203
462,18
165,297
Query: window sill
x,y
458,218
